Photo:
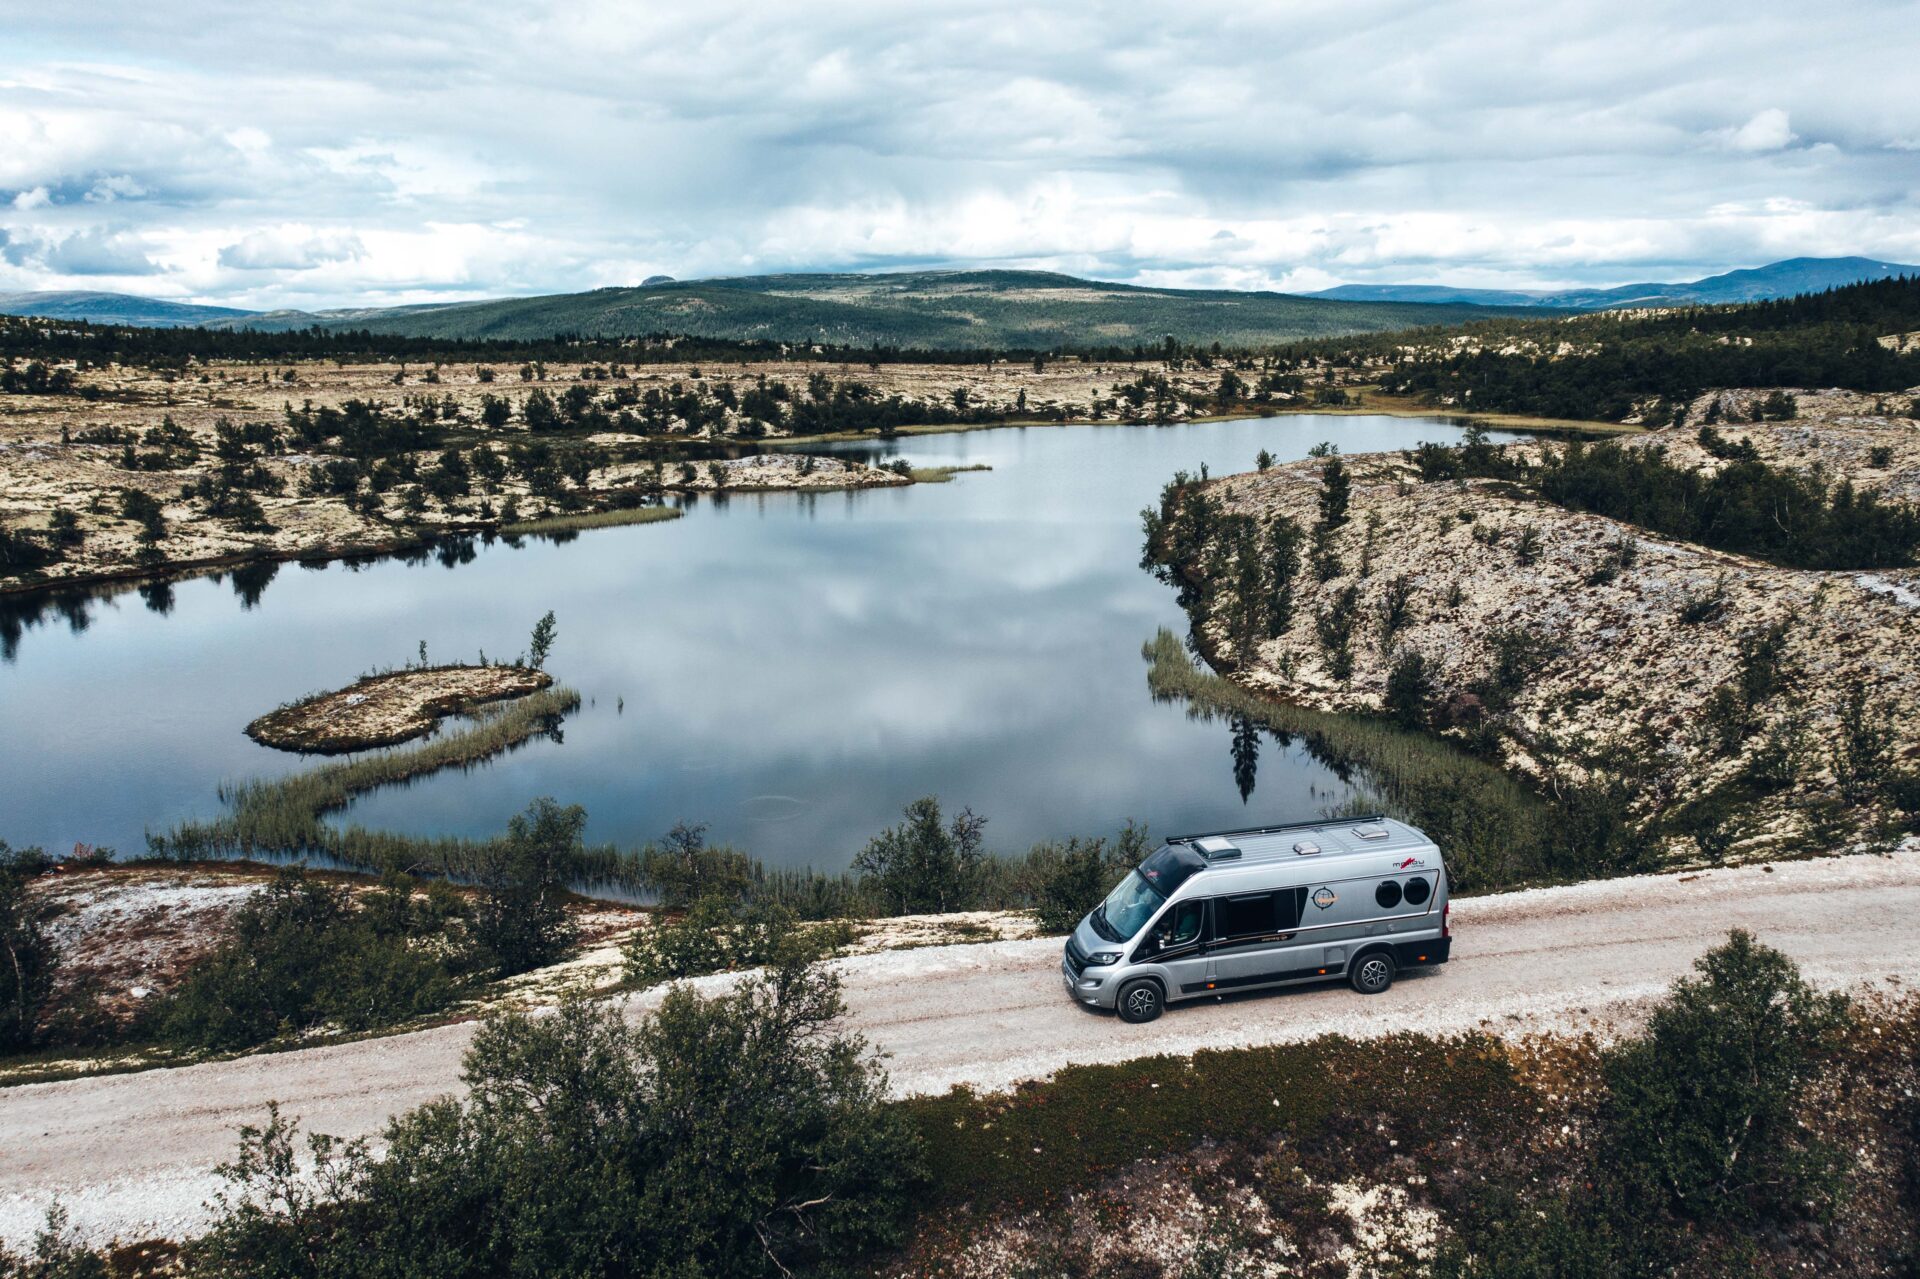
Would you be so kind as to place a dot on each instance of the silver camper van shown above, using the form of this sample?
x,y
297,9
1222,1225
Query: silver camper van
x,y
1361,898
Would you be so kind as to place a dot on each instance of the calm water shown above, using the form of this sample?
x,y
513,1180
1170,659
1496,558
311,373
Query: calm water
x,y
793,668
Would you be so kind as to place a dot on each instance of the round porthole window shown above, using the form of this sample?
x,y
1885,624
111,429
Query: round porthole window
x,y
1417,891
1388,895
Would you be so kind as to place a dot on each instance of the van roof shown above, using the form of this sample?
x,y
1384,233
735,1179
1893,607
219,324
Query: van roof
x,y
1297,841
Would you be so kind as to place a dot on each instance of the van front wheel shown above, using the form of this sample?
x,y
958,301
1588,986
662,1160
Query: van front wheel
x,y
1139,1001
1373,974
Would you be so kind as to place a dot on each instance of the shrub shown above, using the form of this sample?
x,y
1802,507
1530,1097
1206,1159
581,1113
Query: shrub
x,y
1705,605
922,866
1334,627
522,920
1068,880
1518,655
734,1136
57,1253
28,957
302,952
1410,689
683,869
1701,1120
1526,547
1864,752
1336,492
1396,608
720,936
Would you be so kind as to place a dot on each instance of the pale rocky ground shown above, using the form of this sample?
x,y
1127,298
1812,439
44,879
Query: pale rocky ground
x,y
40,474
132,1155
128,933
1626,672
388,708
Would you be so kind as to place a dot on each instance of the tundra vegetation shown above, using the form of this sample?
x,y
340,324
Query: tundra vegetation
x,y
1514,598
1753,1124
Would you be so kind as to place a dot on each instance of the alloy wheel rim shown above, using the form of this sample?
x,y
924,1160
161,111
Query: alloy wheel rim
x,y
1140,1001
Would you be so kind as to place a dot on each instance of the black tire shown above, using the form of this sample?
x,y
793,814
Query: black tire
x,y
1372,972
1139,1001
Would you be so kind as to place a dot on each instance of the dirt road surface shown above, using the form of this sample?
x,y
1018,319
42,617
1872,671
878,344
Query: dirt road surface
x,y
131,1156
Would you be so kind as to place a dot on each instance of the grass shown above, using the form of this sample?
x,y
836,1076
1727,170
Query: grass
x,y
942,474
590,519
1491,825
1049,1139
283,817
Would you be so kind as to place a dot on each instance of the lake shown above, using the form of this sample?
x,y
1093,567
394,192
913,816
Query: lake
x,y
788,669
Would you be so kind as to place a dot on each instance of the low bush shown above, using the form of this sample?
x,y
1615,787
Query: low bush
x,y
718,935
739,1136
303,952
28,956
1069,879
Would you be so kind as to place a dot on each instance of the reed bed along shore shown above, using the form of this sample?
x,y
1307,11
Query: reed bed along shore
x,y
614,518
1493,827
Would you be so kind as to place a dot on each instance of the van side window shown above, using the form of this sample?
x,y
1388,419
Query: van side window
x,y
1243,916
1418,890
1177,929
1257,915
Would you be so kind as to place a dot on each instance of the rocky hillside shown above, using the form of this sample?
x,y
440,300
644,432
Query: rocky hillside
x,y
1738,704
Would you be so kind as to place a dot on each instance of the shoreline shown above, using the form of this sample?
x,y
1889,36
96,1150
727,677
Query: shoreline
x,y
323,553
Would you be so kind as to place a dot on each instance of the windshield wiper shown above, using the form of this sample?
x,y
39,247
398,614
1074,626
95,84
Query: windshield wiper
x,y
1100,924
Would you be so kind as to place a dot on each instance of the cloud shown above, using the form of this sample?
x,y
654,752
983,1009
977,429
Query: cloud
x,y
347,152
99,251
290,248
1767,131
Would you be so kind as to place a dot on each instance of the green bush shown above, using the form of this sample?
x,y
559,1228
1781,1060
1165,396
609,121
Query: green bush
x,y
684,870
57,1253
734,1138
301,953
1410,689
1702,1120
522,921
28,957
922,865
1069,879
717,935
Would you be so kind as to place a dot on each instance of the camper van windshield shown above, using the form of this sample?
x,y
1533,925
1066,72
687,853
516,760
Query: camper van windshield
x,y
1132,902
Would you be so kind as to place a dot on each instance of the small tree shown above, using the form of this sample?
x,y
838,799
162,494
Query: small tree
x,y
1283,568
922,865
1864,752
27,954
1410,689
1336,492
522,918
545,631
1067,880
1702,1118
683,870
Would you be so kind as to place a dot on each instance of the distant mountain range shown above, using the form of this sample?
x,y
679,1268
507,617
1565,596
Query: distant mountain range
x,y
1775,280
938,310
953,310
116,308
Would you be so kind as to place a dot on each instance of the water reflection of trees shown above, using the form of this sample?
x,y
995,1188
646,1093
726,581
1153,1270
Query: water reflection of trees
x,y
75,604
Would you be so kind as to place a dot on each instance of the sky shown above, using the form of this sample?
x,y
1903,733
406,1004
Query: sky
x,y
341,153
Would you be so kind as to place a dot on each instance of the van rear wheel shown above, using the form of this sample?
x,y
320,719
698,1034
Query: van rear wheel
x,y
1373,974
1139,1001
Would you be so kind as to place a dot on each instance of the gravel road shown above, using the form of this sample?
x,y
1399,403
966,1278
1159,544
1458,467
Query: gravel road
x,y
131,1156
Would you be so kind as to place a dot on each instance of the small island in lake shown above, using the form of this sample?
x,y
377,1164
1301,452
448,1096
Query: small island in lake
x,y
389,708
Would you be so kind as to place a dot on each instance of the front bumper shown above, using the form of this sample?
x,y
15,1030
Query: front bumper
x,y
1089,987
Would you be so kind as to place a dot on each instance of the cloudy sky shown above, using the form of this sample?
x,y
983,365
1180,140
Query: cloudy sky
x,y
335,152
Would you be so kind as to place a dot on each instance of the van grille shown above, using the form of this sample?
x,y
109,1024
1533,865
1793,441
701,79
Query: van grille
x,y
1076,958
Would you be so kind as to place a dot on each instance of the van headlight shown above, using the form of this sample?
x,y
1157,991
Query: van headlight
x,y
1104,958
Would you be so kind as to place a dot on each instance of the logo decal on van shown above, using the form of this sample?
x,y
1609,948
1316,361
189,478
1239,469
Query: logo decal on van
x,y
1324,897
1411,861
